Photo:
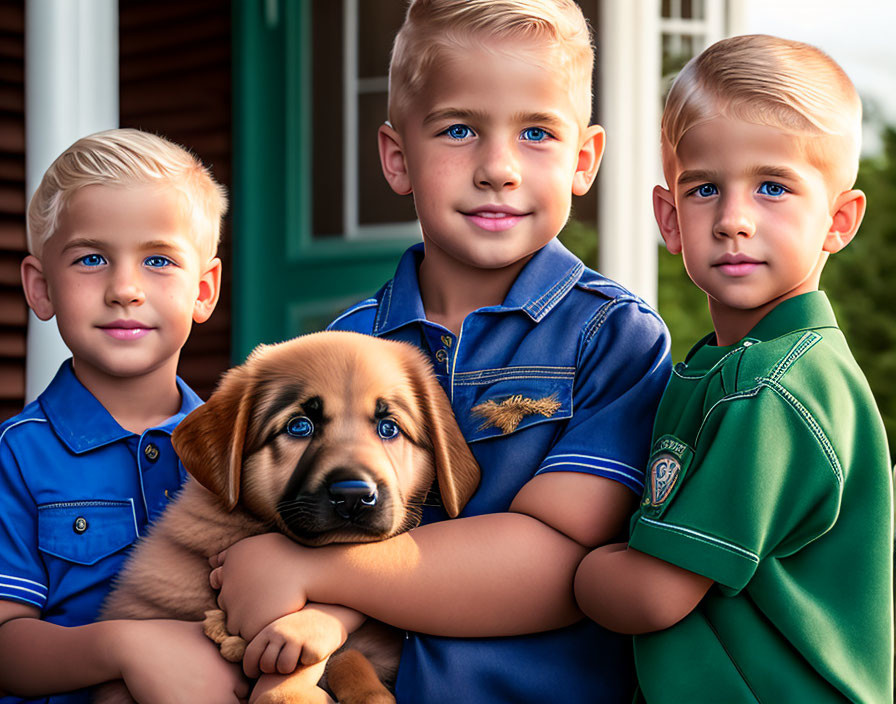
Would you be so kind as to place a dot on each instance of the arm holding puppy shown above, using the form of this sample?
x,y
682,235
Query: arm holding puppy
x,y
497,574
631,592
414,580
41,658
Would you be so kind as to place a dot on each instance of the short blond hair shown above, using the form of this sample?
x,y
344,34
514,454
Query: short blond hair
x,y
432,26
128,157
776,82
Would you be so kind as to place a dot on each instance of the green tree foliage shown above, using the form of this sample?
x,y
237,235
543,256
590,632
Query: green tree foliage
x,y
682,305
859,281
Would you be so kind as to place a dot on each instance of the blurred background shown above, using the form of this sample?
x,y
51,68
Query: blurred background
x,y
282,100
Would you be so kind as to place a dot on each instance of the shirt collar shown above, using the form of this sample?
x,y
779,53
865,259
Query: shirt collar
x,y
804,312
83,423
547,277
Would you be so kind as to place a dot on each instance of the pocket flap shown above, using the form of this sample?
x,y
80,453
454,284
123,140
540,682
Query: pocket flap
x,y
512,402
84,532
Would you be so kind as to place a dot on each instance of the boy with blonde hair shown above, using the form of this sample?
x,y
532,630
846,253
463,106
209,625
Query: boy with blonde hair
x,y
759,566
553,372
122,234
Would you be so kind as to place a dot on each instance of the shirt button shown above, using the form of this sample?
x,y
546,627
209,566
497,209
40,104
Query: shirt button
x,y
80,525
151,452
446,340
442,356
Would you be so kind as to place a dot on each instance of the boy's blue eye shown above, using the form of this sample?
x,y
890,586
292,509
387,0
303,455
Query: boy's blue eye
x,y
157,261
770,188
387,429
705,190
535,134
92,260
300,427
458,132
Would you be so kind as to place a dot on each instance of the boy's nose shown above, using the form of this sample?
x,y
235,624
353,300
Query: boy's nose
x,y
498,168
124,289
734,219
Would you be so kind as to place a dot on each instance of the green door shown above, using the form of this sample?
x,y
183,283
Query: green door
x,y
315,226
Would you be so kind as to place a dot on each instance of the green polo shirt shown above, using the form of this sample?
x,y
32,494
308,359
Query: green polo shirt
x,y
769,473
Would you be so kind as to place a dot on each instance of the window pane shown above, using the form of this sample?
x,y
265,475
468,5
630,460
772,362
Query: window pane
x,y
377,203
683,9
326,115
378,21
332,181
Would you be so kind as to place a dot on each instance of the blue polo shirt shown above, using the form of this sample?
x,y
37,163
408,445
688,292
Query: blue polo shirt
x,y
76,491
585,362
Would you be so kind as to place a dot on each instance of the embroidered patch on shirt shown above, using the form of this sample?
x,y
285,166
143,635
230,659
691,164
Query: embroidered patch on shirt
x,y
664,471
508,414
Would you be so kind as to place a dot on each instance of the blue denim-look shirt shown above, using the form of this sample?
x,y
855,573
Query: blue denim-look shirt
x,y
76,490
601,355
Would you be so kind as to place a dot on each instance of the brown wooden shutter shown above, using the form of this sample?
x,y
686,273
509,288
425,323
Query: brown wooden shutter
x,y
13,309
176,81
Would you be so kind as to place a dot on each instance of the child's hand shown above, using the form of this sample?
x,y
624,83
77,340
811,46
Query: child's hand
x,y
172,662
307,637
261,579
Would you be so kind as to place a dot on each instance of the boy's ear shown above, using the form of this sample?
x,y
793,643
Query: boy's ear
x,y
666,215
395,167
209,291
37,291
590,154
846,213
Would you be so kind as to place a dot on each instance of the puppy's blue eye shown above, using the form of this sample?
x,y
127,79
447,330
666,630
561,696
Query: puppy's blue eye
x,y
300,427
387,429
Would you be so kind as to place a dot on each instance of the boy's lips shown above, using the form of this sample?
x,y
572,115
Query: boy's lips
x,y
495,218
737,264
126,329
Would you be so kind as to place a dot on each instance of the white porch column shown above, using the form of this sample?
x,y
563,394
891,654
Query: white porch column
x,y
628,107
71,90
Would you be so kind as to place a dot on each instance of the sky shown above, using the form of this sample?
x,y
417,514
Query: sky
x,y
859,34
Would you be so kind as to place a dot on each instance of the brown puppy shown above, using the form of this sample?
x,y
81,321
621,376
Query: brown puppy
x,y
330,437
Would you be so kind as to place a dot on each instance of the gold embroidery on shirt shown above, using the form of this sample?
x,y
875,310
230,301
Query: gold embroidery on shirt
x,y
508,414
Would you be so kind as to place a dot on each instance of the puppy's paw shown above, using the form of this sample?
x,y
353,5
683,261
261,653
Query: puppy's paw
x,y
215,626
233,648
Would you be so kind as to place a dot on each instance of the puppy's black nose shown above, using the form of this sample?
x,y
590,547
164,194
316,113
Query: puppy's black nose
x,y
351,496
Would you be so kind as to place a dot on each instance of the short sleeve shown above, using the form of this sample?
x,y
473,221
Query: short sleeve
x,y
22,575
621,372
762,485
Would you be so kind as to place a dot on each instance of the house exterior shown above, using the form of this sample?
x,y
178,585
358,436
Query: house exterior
x,y
282,99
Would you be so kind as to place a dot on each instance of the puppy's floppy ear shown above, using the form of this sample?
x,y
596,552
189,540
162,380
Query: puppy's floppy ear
x,y
210,440
457,472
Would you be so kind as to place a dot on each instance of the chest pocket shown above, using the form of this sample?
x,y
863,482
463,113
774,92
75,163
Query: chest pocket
x,y
494,403
84,532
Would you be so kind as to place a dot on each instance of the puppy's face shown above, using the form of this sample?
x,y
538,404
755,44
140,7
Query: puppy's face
x,y
333,437
340,446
